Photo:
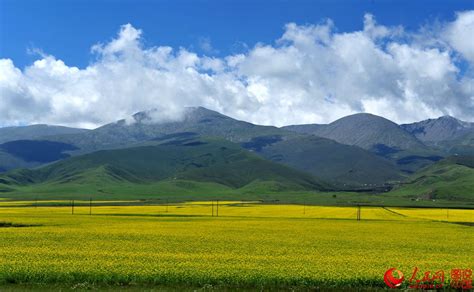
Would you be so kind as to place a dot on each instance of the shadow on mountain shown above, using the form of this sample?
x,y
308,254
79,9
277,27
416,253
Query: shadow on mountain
x,y
37,151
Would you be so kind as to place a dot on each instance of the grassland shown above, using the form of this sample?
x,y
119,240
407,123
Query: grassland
x,y
181,190
450,179
249,245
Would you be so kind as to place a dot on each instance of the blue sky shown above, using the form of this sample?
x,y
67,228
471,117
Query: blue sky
x,y
67,29
86,63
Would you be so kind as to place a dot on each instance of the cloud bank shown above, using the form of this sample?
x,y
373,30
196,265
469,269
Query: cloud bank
x,y
312,74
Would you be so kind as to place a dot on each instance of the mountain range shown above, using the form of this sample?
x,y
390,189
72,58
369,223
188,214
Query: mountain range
x,y
364,130
438,130
357,152
35,131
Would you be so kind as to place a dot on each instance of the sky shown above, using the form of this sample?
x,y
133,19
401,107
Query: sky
x,y
86,63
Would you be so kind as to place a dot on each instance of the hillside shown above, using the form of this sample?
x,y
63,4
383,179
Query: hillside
x,y
123,133
358,151
379,136
364,130
201,160
31,153
27,146
347,166
143,127
9,162
451,179
8,134
267,142
462,145
434,131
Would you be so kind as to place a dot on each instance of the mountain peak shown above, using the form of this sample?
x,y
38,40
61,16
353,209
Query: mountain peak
x,y
202,112
364,130
441,129
363,115
156,116
362,118
449,119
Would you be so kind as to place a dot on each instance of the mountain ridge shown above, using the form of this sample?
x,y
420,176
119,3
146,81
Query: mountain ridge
x,y
34,131
361,149
434,131
206,160
363,130
451,179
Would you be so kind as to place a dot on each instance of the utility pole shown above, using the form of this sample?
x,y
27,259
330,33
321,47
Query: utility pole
x,y
90,206
217,208
358,212
72,207
212,206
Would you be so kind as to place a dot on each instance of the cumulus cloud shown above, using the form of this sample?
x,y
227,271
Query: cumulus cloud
x,y
460,34
311,74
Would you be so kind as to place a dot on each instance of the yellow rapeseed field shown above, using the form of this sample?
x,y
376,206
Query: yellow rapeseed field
x,y
248,245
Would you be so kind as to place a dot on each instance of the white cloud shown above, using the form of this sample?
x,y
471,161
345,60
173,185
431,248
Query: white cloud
x,y
460,34
127,43
206,46
311,74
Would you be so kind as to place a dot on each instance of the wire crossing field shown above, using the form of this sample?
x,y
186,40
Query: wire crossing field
x,y
248,245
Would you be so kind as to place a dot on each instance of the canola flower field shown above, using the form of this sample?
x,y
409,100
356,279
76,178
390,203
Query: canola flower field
x,y
247,245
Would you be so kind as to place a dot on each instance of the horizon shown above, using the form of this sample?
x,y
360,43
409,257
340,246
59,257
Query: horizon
x,y
178,120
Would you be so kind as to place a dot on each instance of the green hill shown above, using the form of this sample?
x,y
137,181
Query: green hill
x,y
363,130
17,151
379,136
344,165
463,145
222,164
341,164
450,179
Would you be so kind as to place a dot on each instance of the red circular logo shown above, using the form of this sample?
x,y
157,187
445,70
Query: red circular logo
x,y
391,281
